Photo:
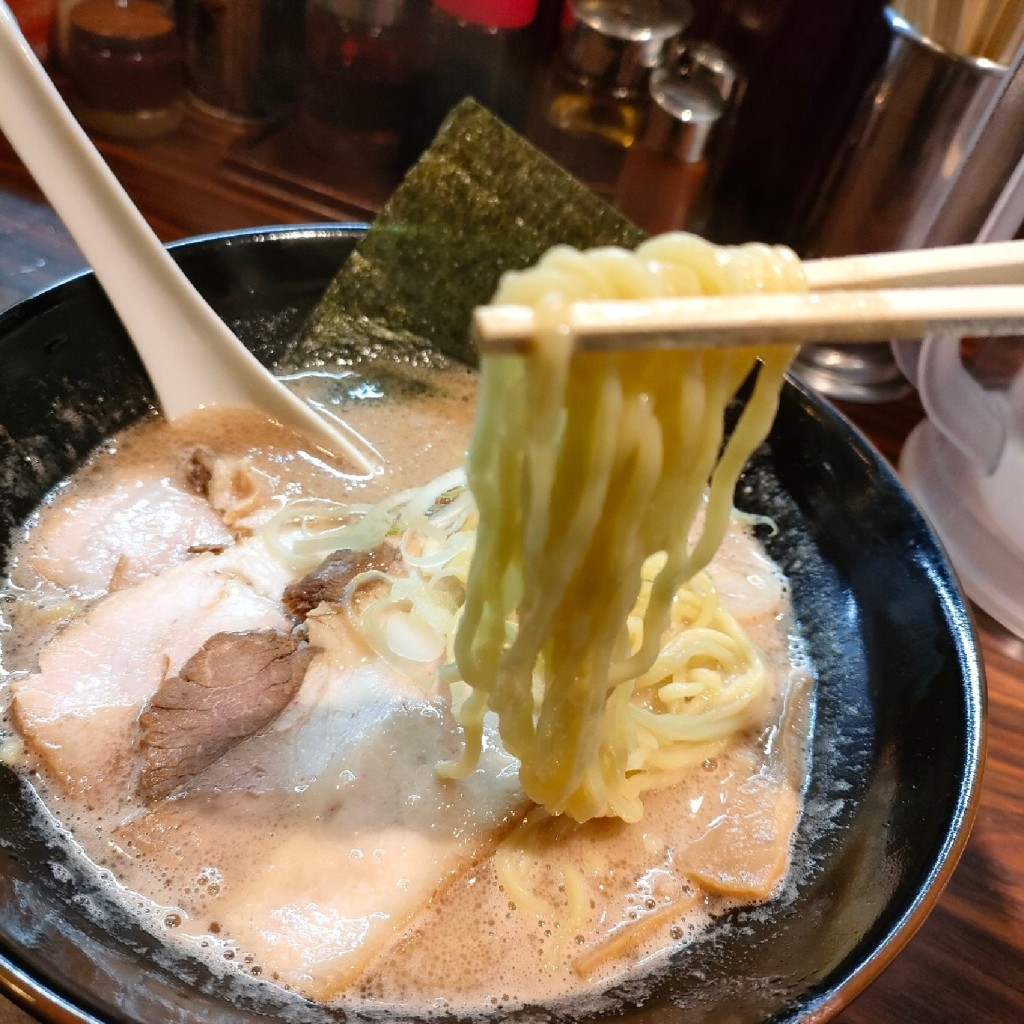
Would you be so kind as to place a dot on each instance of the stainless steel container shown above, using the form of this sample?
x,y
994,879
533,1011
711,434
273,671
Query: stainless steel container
x,y
895,172
244,57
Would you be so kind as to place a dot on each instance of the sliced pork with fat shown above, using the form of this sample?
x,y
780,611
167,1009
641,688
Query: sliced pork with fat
x,y
328,831
80,711
133,530
232,486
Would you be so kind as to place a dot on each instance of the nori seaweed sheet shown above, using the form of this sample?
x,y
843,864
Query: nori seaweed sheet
x,y
480,201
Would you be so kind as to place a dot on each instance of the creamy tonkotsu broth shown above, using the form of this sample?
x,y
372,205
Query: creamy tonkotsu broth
x,y
323,853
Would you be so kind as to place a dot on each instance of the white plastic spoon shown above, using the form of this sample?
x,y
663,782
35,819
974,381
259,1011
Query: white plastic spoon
x,y
192,358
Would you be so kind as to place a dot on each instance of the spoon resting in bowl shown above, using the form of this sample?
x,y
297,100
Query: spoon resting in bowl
x,y
192,358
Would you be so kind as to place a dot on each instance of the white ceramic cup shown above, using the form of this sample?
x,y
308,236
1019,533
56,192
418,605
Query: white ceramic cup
x,y
965,466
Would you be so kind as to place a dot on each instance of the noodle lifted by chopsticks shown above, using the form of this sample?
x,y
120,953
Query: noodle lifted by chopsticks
x,y
589,469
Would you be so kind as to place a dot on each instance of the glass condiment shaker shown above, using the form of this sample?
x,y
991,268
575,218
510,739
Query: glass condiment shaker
x,y
591,106
62,26
124,59
665,175
709,65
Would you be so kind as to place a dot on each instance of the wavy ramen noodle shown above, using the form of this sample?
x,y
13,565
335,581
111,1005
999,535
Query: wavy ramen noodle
x,y
589,471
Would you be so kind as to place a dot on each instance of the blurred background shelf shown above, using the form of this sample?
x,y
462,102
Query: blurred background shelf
x,y
208,175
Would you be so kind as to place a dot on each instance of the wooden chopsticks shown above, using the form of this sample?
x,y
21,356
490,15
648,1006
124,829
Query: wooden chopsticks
x,y
976,290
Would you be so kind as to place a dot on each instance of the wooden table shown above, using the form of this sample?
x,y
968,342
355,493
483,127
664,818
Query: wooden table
x,y
966,965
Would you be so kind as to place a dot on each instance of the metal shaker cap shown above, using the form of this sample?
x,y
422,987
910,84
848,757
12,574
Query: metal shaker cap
x,y
682,117
614,44
710,65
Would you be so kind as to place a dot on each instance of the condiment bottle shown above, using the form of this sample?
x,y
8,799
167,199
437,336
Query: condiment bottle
x,y
62,26
471,47
125,63
362,57
709,65
665,174
591,107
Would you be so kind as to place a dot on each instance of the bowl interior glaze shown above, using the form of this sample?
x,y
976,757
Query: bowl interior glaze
x,y
897,740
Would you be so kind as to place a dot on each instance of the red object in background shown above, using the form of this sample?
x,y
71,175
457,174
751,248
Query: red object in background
x,y
491,13
34,18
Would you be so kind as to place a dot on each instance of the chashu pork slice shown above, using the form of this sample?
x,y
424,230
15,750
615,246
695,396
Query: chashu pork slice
x,y
235,685
80,711
87,544
327,833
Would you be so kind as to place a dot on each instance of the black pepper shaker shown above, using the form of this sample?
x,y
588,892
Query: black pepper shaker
x,y
243,57
711,66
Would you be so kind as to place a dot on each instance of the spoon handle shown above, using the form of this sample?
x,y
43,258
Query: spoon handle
x,y
192,358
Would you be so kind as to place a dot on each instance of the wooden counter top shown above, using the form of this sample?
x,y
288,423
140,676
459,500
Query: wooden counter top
x,y
966,965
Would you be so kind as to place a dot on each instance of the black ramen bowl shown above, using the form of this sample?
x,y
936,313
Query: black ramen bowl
x,y
897,741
